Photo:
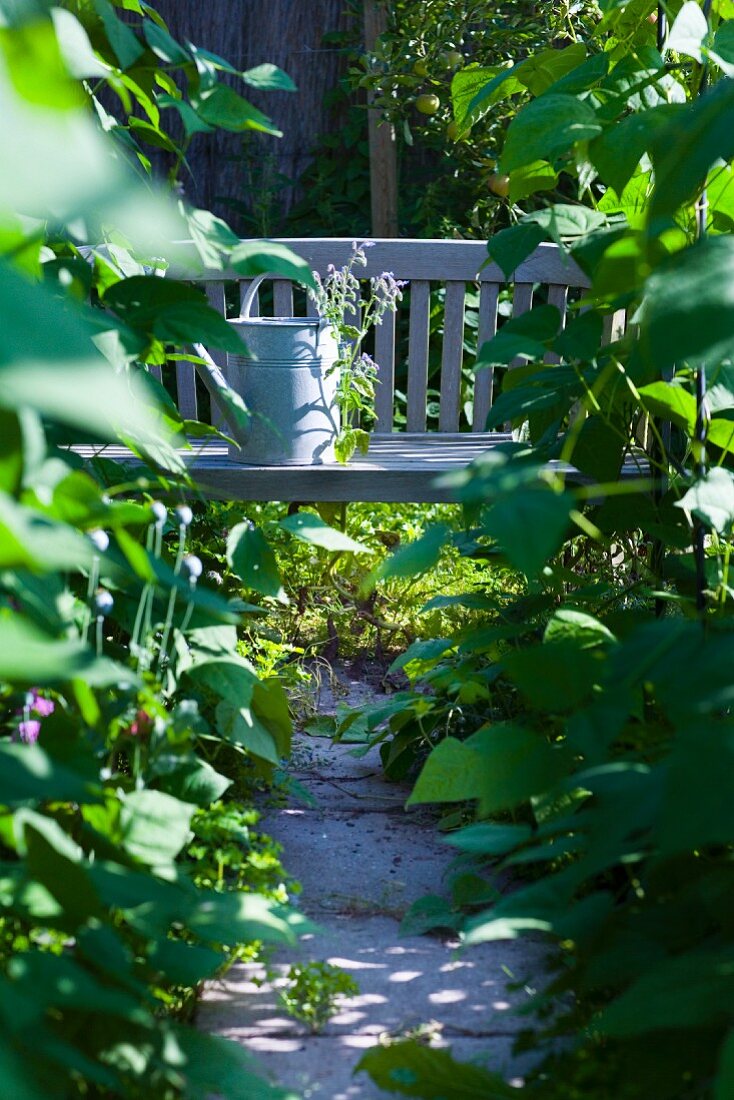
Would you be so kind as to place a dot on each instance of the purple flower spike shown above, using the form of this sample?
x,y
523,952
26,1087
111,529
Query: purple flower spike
x,y
43,707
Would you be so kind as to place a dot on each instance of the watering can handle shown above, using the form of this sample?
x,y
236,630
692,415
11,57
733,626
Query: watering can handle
x,y
252,290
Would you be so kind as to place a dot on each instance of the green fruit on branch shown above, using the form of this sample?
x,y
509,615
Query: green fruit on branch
x,y
421,67
499,184
454,58
427,104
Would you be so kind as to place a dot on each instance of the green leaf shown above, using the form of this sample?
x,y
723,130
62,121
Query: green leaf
x,y
184,963
724,1086
269,78
223,107
413,1069
311,529
452,773
55,861
543,69
155,825
522,336
510,247
689,31
76,49
257,258
464,86
671,402
241,726
417,557
531,178
514,765
711,499
121,37
164,46
195,322
29,774
530,525
30,656
428,913
55,368
252,559
489,839
195,781
191,121
215,1066
684,151
546,128
688,312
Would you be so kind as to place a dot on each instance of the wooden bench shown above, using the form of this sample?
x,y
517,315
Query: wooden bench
x,y
404,460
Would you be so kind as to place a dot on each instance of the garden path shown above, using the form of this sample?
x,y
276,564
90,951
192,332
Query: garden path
x,y
362,860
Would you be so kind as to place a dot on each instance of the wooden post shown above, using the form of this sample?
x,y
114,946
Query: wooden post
x,y
383,159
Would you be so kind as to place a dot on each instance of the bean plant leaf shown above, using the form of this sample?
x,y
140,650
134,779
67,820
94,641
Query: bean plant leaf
x,y
155,826
464,86
522,336
252,559
724,1085
311,529
452,773
688,311
268,77
689,31
711,499
28,774
30,656
413,1069
222,106
415,557
546,128
510,247
252,258
514,764
671,402
530,526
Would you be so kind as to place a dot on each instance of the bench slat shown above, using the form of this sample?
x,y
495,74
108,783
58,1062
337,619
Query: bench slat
x,y
215,294
522,302
282,298
484,378
385,359
420,319
558,297
186,390
451,359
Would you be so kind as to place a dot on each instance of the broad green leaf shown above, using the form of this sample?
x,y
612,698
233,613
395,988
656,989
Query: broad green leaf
x,y
530,525
504,84
76,49
121,37
229,677
711,499
688,312
422,652
531,178
413,1069
269,78
29,774
510,247
237,917
252,559
544,68
582,76
241,726
56,861
212,237
697,810
489,839
195,781
32,541
582,629
195,322
223,107
581,338
55,368
191,121
671,402
155,825
684,150
185,964
689,31
724,1085
163,45
29,656
428,913
311,529
514,765
416,557
452,773
252,258
654,1001
212,1066
546,128
598,450
464,86
522,336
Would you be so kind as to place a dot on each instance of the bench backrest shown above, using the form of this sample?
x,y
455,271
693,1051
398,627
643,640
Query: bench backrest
x,y
425,264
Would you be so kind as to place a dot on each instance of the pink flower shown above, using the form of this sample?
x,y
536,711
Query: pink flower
x,y
42,707
29,730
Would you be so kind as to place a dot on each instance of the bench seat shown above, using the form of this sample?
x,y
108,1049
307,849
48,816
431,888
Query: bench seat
x,y
399,467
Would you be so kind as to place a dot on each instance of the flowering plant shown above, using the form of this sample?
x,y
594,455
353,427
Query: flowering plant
x,y
352,312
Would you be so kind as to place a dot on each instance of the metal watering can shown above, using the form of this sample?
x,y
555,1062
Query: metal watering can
x,y
288,384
